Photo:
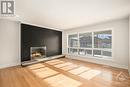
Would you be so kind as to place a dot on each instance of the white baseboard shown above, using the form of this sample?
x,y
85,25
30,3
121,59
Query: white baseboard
x,y
104,62
129,70
8,65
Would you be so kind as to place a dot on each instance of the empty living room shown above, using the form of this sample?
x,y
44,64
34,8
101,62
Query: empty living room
x,y
64,43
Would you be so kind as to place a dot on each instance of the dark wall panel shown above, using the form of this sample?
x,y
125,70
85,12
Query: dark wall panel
x,y
33,36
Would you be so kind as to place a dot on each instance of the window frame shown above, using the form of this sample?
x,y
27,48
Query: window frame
x,y
72,47
92,55
104,49
84,47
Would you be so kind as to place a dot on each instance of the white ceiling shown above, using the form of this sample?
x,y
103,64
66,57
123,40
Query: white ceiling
x,y
66,14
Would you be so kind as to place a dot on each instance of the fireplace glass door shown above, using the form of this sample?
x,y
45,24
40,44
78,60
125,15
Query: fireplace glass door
x,y
38,52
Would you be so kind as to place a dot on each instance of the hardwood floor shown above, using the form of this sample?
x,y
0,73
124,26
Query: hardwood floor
x,y
64,73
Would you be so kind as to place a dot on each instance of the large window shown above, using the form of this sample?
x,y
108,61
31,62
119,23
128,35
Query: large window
x,y
98,44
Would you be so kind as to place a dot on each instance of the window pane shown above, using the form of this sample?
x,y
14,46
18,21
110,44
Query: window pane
x,y
73,40
73,51
103,39
85,40
97,53
88,52
85,52
107,53
81,52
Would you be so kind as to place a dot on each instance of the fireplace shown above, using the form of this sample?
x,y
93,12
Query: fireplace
x,y
38,52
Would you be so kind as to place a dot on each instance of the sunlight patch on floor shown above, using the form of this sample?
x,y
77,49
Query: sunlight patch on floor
x,y
106,76
54,62
62,65
62,81
36,66
69,67
79,70
44,72
90,74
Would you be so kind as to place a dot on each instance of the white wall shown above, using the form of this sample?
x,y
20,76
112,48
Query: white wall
x,y
9,43
120,42
129,44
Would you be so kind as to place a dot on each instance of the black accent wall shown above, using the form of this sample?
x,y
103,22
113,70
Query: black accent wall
x,y
33,36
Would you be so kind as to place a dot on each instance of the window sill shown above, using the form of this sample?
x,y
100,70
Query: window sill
x,y
92,57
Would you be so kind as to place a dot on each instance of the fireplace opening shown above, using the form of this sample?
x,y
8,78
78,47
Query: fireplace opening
x,y
38,52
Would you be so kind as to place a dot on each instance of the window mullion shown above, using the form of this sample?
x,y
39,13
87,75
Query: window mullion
x,y
92,42
78,44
